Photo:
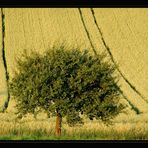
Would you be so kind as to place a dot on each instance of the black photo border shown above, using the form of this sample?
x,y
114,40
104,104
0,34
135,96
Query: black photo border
x,y
74,4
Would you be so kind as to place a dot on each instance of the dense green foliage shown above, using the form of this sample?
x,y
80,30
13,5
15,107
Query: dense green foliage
x,y
67,81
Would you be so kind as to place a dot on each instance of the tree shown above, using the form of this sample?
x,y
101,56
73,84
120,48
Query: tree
x,y
66,83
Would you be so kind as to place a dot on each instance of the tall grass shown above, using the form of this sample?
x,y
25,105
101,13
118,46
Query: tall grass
x,y
125,127
43,129
83,134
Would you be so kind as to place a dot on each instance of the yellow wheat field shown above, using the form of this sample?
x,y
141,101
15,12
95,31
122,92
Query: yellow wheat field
x,y
124,30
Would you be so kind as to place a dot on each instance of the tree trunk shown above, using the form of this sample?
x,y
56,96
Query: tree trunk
x,y
58,124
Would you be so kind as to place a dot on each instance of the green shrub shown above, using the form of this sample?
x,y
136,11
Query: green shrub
x,y
66,83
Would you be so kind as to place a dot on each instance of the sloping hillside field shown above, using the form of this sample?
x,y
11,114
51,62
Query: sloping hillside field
x,y
124,30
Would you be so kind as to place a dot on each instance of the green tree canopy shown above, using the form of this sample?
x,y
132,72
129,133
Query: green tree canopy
x,y
66,83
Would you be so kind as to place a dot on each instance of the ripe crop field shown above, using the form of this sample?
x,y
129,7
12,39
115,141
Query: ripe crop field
x,y
131,127
125,32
